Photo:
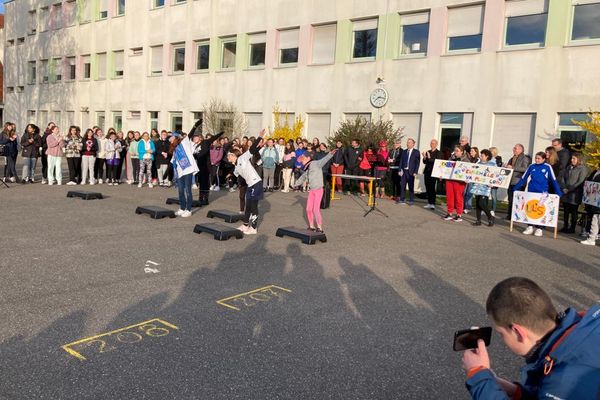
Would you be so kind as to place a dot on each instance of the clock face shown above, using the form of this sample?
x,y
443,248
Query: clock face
x,y
379,97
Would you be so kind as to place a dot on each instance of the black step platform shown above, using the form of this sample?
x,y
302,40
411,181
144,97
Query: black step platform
x,y
307,236
220,232
175,200
225,215
155,212
84,195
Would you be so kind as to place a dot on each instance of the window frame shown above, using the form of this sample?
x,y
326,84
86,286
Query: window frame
x,y
401,34
174,48
572,26
250,47
471,50
162,59
224,41
69,69
114,71
197,45
153,5
117,8
32,77
532,45
365,58
280,49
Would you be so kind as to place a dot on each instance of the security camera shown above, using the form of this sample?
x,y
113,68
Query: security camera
x,y
380,80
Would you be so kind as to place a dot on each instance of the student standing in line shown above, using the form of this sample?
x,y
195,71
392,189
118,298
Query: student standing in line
x,y
122,155
88,158
468,196
100,156
270,159
393,161
518,163
353,156
429,158
135,157
113,158
162,158
184,169
44,154
31,143
146,150
128,163
289,159
300,150
254,193
482,191
73,146
55,154
337,165
12,151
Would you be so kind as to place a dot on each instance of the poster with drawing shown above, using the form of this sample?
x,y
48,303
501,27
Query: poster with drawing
x,y
535,208
472,173
591,193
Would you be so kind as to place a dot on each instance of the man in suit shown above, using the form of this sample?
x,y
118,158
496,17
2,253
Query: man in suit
x,y
393,160
408,168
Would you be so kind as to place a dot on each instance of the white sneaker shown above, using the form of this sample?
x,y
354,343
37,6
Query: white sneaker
x,y
589,242
528,231
99,181
13,180
538,232
186,214
194,186
50,183
179,212
243,228
92,183
139,185
212,187
115,183
217,188
150,185
129,182
71,183
250,231
466,211
59,183
44,181
493,213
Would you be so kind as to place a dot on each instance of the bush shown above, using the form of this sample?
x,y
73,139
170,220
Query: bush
x,y
369,133
282,127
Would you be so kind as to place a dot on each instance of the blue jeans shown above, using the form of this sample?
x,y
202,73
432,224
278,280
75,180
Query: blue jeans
x,y
184,186
494,194
468,197
29,167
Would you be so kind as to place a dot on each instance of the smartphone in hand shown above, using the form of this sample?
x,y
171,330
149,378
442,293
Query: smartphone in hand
x,y
467,338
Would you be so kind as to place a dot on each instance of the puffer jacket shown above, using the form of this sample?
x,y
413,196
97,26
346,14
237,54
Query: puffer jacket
x,y
572,183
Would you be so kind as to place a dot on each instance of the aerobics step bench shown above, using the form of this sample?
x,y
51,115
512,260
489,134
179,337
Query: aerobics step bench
x,y
305,235
225,215
155,212
84,195
220,232
175,200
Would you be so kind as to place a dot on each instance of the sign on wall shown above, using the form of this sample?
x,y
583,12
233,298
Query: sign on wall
x,y
535,208
591,193
472,173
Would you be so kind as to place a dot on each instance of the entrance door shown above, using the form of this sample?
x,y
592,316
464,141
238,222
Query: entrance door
x,y
449,138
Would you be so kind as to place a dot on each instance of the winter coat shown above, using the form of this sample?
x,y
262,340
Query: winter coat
x,y
519,166
480,189
11,148
564,160
270,157
73,146
542,177
162,146
565,366
353,157
314,173
572,184
142,150
31,150
55,146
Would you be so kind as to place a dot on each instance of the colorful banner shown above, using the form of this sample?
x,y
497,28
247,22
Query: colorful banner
x,y
591,193
472,173
535,208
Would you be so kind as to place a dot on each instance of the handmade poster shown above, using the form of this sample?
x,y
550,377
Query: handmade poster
x,y
535,208
472,173
443,169
591,193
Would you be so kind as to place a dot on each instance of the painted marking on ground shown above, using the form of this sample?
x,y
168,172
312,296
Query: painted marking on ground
x,y
109,341
253,297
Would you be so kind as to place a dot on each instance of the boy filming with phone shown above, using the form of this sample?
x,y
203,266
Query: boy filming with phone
x,y
561,350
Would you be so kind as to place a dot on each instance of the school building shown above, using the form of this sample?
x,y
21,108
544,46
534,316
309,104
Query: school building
x,y
499,71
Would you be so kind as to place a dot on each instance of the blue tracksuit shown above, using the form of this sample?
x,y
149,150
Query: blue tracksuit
x,y
541,176
575,372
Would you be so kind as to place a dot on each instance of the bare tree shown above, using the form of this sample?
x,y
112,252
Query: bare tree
x,y
220,116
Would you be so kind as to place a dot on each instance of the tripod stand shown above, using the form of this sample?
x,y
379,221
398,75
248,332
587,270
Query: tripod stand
x,y
4,184
374,202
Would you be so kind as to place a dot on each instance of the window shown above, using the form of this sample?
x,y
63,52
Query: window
x,y
414,33
71,68
55,67
452,127
101,120
156,60
10,89
258,46
153,116
117,120
364,44
57,17
586,14
70,12
354,116
178,58
319,126
44,19
84,11
118,59
324,37
120,7
574,137
465,27
134,115
20,40
44,71
526,22
31,115
228,53
202,56
510,129
197,115
137,51
86,63
32,22
180,1
288,46
253,123
225,122
101,66
10,42
31,72
410,123
176,121
158,3
20,89
102,9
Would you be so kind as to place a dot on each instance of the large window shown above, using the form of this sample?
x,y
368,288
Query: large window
x,y
153,117
526,22
364,43
410,123
319,126
101,66
414,33
71,68
178,58
120,7
574,137
176,121
86,65
288,46
202,56
156,60
118,60
586,20
511,129
84,11
324,37
102,9
45,21
117,120
257,43
31,72
101,120
253,123
465,27
157,3
228,52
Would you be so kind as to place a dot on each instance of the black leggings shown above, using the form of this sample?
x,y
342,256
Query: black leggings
x,y
570,216
135,166
251,215
10,169
74,164
99,168
243,190
111,172
481,204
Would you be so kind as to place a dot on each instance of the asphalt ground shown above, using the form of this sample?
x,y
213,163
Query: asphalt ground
x,y
368,315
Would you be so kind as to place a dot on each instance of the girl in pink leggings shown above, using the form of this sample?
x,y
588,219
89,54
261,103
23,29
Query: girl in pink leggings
x,y
313,173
